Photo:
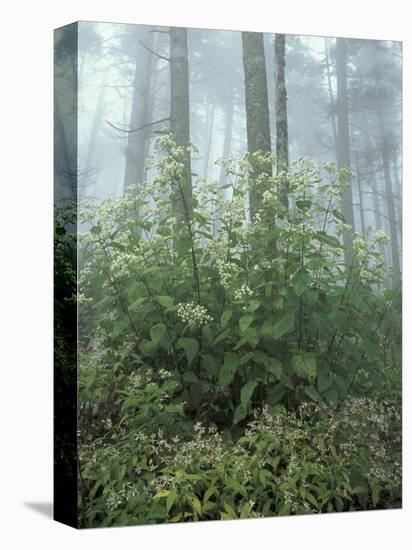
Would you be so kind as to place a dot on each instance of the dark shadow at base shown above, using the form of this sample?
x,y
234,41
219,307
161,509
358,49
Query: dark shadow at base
x,y
43,508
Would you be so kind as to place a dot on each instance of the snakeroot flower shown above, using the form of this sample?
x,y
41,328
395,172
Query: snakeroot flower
x,y
381,237
194,314
243,292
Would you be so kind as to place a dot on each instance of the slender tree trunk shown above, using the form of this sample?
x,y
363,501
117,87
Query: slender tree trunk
x,y
90,166
257,108
359,184
136,148
282,145
331,98
342,153
210,106
227,143
389,200
398,194
180,114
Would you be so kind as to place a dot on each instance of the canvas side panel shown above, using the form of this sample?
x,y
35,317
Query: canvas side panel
x,y
65,273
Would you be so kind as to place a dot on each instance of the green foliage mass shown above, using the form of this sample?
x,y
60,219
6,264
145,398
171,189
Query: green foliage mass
x,y
232,367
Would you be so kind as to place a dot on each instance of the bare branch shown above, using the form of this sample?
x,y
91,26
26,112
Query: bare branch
x,y
154,53
140,128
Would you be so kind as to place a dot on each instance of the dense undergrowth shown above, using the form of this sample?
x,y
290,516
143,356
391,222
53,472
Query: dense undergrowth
x,y
234,368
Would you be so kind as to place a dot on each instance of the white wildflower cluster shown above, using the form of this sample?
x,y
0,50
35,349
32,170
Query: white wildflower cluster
x,y
381,237
360,247
226,271
243,292
195,314
218,246
256,226
364,275
233,210
164,374
121,264
263,265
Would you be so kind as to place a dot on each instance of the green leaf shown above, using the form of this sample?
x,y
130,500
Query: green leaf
x,y
196,505
161,494
222,336
304,365
96,229
165,301
276,394
191,347
245,321
226,315
331,396
312,393
209,492
228,369
330,240
283,326
160,336
190,377
171,498
324,381
246,392
273,366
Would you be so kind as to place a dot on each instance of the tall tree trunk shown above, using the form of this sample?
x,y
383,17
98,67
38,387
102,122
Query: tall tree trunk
x,y
90,165
331,98
136,150
257,107
227,144
359,184
342,153
210,115
282,145
389,200
180,115
396,169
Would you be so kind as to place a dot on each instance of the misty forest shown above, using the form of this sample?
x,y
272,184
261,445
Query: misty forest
x,y
237,271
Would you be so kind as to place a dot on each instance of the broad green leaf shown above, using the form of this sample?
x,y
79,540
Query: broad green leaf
x,y
165,301
191,347
245,321
324,381
222,335
161,494
196,505
170,500
160,336
240,414
228,369
273,366
246,392
276,394
304,365
226,315
312,393
190,377
283,326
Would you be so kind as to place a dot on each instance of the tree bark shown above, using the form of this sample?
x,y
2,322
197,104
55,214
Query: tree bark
x,y
282,145
257,108
343,151
180,114
389,200
227,145
137,142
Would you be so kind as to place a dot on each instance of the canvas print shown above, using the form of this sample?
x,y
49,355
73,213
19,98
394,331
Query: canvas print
x,y
228,267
